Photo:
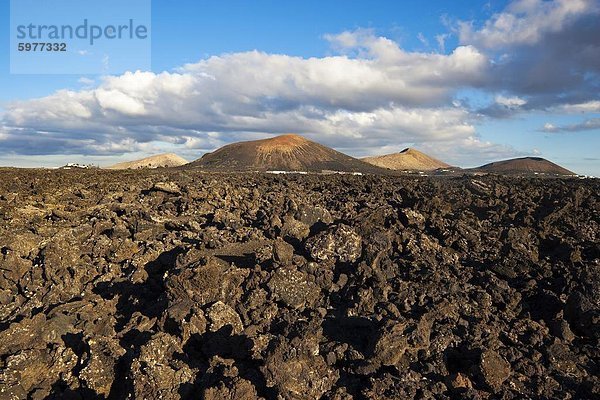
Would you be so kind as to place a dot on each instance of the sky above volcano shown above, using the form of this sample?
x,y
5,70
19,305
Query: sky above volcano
x,y
468,82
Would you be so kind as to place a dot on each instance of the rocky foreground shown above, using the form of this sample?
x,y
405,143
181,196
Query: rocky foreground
x,y
173,284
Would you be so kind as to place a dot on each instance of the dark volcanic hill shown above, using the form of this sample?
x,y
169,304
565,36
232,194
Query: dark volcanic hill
x,y
281,153
407,159
525,165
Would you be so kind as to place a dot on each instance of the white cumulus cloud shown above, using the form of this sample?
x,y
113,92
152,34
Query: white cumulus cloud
x,y
525,22
373,91
587,107
510,102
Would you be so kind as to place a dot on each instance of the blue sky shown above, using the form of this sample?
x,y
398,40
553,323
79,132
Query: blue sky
x,y
364,77
184,31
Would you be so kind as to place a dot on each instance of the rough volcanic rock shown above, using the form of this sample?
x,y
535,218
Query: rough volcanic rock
x,y
494,369
238,389
158,373
293,288
177,284
220,315
282,252
341,243
297,371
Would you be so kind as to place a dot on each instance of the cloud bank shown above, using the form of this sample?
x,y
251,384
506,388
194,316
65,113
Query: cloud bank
x,y
586,125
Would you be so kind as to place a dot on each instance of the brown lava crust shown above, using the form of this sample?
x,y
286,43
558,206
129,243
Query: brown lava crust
x,y
173,284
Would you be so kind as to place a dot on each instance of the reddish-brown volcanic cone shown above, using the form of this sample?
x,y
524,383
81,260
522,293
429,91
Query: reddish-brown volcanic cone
x,y
281,153
407,159
526,165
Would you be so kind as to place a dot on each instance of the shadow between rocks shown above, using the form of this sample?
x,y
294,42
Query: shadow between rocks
x,y
148,299
226,345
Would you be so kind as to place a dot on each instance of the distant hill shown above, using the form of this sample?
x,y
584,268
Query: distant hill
x,y
407,159
281,153
159,160
525,165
